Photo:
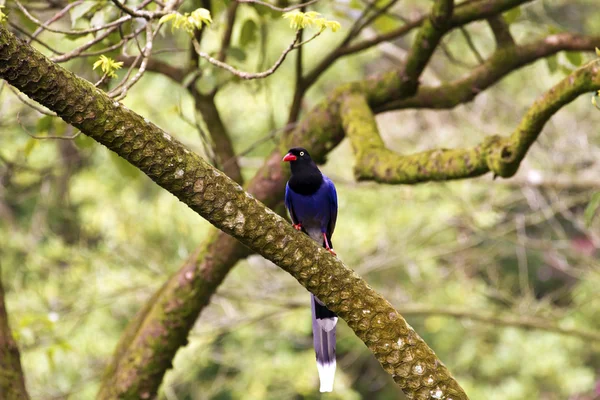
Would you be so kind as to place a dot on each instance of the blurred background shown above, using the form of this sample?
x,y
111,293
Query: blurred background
x,y
500,277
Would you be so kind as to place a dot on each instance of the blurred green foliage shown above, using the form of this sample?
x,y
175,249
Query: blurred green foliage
x,y
85,239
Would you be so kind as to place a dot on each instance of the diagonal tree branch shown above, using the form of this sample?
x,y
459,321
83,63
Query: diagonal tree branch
x,y
223,203
12,380
497,154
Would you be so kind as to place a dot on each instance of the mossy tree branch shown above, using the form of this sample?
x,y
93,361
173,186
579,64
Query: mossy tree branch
x,y
12,380
501,31
425,43
499,155
501,63
227,206
320,129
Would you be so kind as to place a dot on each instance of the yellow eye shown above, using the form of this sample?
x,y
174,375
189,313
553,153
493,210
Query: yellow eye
x,y
301,154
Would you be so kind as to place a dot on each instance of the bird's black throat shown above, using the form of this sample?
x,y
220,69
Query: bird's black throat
x,y
306,178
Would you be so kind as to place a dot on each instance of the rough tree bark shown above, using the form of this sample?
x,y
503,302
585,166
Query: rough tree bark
x,y
226,205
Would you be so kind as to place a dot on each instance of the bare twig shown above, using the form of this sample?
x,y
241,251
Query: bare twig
x,y
25,100
519,322
56,17
250,75
33,38
145,55
471,44
77,52
138,12
273,7
45,26
44,137
115,46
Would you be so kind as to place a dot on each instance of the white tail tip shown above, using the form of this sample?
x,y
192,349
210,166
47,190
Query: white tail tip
x,y
326,376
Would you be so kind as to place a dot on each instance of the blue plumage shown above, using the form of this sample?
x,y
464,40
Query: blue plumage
x,y
311,199
317,212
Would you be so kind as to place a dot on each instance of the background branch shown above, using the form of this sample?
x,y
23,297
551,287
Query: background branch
x,y
12,380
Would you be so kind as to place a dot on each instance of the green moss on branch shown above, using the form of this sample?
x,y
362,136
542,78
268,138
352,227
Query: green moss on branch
x,y
504,60
501,156
226,205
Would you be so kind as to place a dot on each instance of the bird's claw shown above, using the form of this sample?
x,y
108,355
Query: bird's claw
x,y
331,251
297,227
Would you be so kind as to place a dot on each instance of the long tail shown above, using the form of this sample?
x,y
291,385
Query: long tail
x,y
324,322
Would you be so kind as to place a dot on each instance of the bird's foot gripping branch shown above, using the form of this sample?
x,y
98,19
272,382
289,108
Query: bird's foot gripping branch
x,y
214,196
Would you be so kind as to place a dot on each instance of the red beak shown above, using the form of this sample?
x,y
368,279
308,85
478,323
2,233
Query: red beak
x,y
290,157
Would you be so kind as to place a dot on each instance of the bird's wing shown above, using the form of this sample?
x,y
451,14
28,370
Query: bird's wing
x,y
333,206
288,204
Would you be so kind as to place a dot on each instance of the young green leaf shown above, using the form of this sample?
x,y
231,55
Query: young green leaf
x,y
300,20
108,65
188,21
3,16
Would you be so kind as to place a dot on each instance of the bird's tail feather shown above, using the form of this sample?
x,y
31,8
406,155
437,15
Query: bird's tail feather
x,y
324,322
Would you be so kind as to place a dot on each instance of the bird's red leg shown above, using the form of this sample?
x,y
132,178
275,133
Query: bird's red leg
x,y
327,246
297,226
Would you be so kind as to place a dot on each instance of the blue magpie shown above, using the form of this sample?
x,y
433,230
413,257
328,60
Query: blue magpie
x,y
311,200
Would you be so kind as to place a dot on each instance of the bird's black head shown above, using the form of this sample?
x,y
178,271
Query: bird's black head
x,y
298,155
306,177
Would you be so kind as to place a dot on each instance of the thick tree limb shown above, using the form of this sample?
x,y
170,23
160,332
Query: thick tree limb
x,y
500,155
12,380
425,43
217,198
497,66
144,354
